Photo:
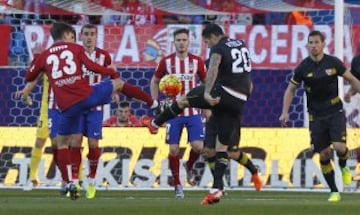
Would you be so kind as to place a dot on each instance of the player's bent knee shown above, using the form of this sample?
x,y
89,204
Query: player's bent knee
x,y
325,154
340,147
209,152
197,146
40,142
234,155
183,102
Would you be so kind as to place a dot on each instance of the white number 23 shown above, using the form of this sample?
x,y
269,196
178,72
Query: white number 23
x,y
69,67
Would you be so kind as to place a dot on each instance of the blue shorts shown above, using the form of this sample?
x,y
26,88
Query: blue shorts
x,y
53,122
91,124
69,122
193,124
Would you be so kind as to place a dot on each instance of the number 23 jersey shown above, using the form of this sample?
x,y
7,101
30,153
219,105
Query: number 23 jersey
x,y
62,64
235,66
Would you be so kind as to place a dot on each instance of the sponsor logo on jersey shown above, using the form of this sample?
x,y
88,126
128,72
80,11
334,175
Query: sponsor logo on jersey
x,y
330,72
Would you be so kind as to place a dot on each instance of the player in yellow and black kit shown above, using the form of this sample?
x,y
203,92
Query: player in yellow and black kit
x,y
319,72
43,130
42,133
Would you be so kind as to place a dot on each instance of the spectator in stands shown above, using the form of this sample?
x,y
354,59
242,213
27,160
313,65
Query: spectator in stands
x,y
123,117
210,19
168,19
299,18
142,13
70,19
118,5
190,19
95,20
275,18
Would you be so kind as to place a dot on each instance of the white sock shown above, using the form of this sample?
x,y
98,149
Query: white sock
x,y
155,104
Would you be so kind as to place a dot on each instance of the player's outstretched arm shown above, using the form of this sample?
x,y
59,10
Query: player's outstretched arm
x,y
215,60
25,92
288,98
355,83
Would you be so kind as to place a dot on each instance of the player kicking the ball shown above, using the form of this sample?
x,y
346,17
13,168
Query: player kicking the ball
x,y
62,63
187,68
227,88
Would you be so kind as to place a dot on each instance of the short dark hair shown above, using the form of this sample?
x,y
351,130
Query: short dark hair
x,y
88,26
181,31
212,29
317,33
124,104
58,29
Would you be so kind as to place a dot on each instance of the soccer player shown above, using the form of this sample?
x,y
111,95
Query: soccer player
x,y
234,153
226,91
187,67
91,122
62,63
42,132
48,120
355,70
327,125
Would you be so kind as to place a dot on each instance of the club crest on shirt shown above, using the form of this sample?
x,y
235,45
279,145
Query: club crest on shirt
x,y
330,72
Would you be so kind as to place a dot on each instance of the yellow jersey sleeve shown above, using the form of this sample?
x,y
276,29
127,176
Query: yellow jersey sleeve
x,y
43,128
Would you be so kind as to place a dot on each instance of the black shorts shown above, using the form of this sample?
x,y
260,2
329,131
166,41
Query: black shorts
x,y
228,103
210,133
225,122
326,130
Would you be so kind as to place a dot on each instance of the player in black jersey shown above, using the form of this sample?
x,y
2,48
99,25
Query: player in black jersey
x,y
211,129
226,89
355,70
327,122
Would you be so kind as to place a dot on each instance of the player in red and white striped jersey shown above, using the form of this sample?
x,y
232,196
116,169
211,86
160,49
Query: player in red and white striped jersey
x,y
189,69
62,64
91,122
47,122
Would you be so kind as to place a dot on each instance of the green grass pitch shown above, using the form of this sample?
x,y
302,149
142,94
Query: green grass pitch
x,y
44,202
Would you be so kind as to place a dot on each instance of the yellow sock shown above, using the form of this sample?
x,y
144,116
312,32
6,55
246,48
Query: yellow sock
x,y
81,171
243,159
34,162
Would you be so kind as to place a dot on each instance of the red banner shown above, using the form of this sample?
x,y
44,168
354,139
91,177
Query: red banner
x,y
276,46
5,31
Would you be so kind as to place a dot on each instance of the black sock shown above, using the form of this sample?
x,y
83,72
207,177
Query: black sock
x,y
245,161
211,163
169,113
220,166
343,158
328,172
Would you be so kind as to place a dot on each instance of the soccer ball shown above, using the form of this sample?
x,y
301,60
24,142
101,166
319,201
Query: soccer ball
x,y
170,85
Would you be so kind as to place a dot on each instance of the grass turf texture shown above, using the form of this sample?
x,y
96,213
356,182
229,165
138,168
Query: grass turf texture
x,y
163,202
